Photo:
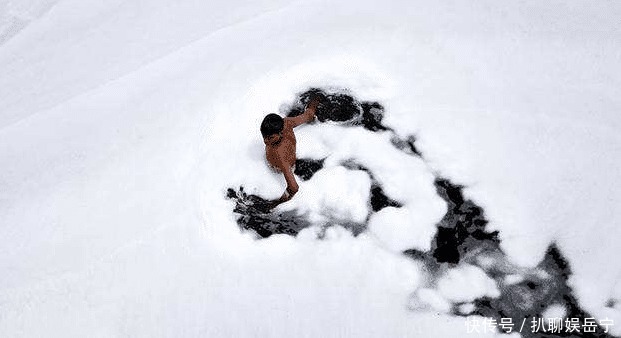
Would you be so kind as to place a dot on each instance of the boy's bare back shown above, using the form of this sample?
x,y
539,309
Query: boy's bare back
x,y
280,146
281,155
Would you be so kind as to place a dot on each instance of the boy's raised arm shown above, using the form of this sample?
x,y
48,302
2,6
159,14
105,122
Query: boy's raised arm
x,y
308,115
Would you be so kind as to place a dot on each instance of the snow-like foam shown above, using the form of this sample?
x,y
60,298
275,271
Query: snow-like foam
x,y
467,283
333,193
110,131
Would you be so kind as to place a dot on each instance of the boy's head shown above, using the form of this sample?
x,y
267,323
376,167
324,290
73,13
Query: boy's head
x,y
271,128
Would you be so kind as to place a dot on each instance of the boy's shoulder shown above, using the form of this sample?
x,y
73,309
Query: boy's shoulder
x,y
289,123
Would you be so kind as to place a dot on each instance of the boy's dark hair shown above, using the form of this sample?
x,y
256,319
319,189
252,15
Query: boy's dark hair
x,y
272,124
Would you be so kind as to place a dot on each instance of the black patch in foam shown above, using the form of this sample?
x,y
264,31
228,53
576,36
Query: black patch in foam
x,y
379,200
463,222
254,214
341,107
305,168
544,286
336,107
407,145
446,248
372,115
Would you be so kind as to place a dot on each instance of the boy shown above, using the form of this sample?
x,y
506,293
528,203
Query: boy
x,y
279,140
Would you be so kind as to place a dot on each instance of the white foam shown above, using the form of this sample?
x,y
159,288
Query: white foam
x,y
467,283
122,124
335,194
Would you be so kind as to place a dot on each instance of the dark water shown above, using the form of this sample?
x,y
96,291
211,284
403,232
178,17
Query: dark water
x,y
461,237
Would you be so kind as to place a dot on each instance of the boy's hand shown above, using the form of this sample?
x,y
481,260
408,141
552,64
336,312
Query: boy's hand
x,y
314,101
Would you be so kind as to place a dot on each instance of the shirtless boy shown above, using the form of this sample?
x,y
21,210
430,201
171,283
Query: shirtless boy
x,y
279,142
